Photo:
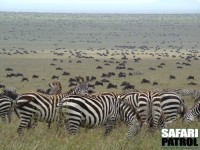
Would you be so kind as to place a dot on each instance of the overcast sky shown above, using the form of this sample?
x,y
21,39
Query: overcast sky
x,y
102,6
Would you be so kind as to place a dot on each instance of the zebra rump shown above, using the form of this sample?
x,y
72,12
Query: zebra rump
x,y
92,111
6,107
172,105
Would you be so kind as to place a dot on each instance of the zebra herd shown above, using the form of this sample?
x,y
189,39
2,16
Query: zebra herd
x,y
77,108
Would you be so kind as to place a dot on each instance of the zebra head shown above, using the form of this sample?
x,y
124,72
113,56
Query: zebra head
x,y
81,89
55,88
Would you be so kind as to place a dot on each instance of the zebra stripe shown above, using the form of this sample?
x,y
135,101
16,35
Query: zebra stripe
x,y
172,104
92,111
5,108
38,107
132,98
149,108
193,113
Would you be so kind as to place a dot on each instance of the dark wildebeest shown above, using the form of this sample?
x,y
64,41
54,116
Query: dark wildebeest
x,y
190,77
24,79
2,85
172,77
110,85
145,81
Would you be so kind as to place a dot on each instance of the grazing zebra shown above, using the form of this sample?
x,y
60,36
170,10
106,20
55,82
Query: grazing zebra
x,y
195,94
40,107
92,111
172,104
6,104
149,108
133,98
187,92
193,113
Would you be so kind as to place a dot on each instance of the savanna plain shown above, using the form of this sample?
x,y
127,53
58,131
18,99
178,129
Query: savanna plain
x,y
163,49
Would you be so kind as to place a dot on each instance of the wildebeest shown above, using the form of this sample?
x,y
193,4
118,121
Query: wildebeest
x,y
35,76
128,86
192,83
155,83
145,81
99,83
2,85
110,85
190,77
172,77
122,74
54,77
24,79
65,73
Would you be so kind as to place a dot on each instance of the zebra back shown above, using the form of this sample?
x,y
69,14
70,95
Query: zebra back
x,y
81,89
90,111
130,98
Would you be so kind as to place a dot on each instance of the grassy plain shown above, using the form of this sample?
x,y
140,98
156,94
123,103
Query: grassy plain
x,y
174,35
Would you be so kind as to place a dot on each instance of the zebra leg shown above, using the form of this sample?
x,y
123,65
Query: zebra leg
x,y
134,129
3,118
110,125
49,125
72,125
24,122
9,116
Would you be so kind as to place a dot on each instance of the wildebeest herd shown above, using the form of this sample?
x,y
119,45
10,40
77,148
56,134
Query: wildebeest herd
x,y
82,107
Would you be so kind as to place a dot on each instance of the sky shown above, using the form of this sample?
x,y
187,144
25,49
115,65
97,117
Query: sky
x,y
102,6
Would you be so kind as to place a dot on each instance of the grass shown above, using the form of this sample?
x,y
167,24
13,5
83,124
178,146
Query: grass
x,y
92,34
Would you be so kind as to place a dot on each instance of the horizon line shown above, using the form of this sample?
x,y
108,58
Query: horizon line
x,y
114,13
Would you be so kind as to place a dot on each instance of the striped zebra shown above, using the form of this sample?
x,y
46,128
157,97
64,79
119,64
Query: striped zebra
x,y
149,108
6,106
99,109
187,92
40,107
142,101
171,103
192,113
195,94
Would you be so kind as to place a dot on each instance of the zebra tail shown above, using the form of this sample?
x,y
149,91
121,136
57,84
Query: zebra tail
x,y
184,109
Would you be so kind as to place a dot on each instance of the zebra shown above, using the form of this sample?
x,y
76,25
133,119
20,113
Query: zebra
x,y
40,107
195,94
192,113
187,92
99,109
134,99
6,106
172,104
54,89
149,108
